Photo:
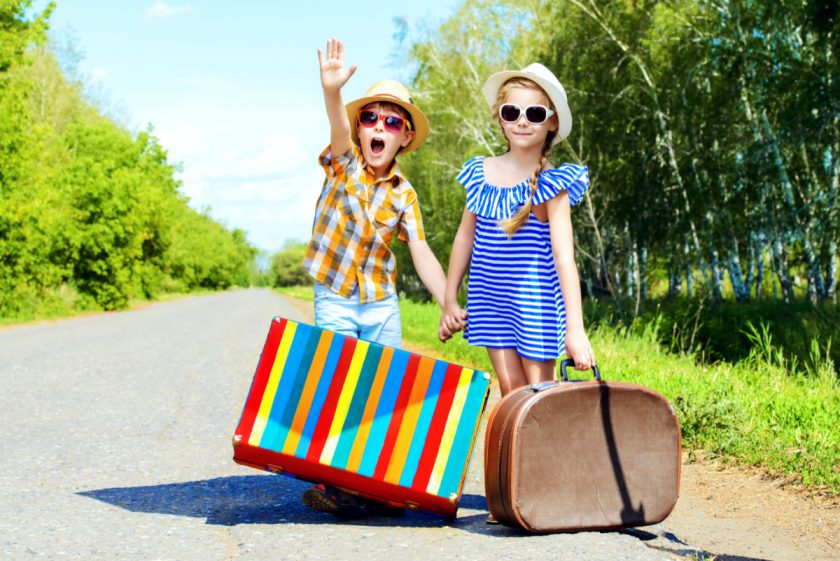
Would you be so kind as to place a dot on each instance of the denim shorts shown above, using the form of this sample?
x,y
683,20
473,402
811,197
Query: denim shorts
x,y
372,321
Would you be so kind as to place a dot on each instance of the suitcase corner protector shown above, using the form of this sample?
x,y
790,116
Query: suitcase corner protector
x,y
236,441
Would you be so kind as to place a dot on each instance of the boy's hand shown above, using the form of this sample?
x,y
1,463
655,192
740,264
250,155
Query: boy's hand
x,y
454,319
333,73
444,334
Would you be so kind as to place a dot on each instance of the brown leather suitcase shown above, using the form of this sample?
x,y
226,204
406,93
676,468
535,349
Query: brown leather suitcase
x,y
582,455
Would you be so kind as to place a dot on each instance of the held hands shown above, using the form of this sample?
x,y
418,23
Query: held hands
x,y
333,73
452,320
579,349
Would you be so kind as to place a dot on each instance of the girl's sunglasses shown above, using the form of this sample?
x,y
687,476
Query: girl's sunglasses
x,y
535,114
392,123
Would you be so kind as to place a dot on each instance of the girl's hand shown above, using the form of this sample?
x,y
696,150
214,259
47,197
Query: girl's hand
x,y
333,73
454,318
579,350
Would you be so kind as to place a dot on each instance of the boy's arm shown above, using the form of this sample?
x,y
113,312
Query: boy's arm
x,y
333,77
428,268
578,347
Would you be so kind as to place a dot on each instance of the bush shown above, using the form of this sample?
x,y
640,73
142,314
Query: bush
x,y
715,331
286,267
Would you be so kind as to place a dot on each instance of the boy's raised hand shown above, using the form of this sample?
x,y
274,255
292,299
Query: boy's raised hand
x,y
333,73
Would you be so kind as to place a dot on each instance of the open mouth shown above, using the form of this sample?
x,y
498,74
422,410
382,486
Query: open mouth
x,y
377,145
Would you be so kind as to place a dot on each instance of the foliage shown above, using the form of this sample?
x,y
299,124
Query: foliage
x,y
714,331
90,215
711,131
286,267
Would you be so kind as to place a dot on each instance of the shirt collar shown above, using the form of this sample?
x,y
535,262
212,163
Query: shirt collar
x,y
393,175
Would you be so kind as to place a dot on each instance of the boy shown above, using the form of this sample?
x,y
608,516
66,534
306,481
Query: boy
x,y
364,200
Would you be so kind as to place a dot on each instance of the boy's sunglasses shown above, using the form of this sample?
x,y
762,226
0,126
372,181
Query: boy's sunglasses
x,y
535,114
392,123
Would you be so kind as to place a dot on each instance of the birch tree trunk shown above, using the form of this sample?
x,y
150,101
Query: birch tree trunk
x,y
589,8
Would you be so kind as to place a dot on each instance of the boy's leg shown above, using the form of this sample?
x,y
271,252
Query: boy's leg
x,y
342,315
380,322
339,315
336,313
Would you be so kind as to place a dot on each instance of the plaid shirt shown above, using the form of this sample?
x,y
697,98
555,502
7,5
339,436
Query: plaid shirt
x,y
355,220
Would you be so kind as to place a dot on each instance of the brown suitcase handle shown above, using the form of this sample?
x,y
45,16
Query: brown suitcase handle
x,y
569,362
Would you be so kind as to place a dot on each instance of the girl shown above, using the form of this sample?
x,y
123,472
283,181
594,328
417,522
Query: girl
x,y
523,295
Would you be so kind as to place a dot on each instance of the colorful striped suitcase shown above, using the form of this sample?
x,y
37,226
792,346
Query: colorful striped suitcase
x,y
381,422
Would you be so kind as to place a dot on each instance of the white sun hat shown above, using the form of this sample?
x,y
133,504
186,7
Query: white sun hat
x,y
538,73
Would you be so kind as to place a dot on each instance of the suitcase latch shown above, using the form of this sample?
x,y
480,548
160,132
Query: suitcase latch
x,y
541,386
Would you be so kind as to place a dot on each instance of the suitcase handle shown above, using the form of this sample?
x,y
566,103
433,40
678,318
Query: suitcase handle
x,y
569,362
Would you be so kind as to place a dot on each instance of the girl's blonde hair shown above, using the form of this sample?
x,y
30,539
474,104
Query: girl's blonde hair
x,y
520,218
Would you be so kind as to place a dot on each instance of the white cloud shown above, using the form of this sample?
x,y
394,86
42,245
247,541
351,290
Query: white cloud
x,y
250,163
281,156
268,190
160,10
183,141
98,74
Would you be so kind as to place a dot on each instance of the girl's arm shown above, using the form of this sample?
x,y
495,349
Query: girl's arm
x,y
578,347
459,260
333,77
428,268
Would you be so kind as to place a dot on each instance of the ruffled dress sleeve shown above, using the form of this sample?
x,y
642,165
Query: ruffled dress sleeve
x,y
487,200
568,177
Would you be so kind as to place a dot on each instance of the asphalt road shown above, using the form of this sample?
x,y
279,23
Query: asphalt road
x,y
116,445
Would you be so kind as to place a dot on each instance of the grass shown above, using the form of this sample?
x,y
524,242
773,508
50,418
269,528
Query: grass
x,y
767,410
755,412
66,303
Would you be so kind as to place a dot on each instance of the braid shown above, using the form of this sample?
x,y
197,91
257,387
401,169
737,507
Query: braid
x,y
520,218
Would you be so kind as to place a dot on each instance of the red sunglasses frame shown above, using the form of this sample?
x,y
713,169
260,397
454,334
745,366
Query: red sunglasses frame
x,y
404,123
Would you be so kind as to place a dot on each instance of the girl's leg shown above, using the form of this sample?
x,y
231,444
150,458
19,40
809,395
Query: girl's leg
x,y
537,371
508,366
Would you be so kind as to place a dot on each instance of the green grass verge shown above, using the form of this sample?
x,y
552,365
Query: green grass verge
x,y
761,411
300,292
65,303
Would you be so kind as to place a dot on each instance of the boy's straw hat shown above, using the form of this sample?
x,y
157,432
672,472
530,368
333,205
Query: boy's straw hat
x,y
538,73
392,92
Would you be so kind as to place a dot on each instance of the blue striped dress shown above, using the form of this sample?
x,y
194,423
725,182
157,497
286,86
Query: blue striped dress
x,y
513,295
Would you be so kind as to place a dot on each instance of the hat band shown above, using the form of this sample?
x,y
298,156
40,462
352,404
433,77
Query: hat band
x,y
392,97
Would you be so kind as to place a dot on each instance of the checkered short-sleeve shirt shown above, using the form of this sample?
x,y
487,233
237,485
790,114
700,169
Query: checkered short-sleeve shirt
x,y
355,220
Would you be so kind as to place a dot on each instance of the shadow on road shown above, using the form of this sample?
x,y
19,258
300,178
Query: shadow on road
x,y
256,499
272,499
668,542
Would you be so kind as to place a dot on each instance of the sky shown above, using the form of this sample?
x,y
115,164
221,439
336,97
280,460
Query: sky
x,y
232,90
